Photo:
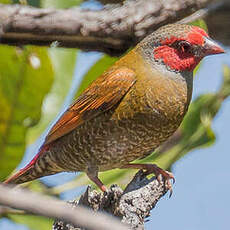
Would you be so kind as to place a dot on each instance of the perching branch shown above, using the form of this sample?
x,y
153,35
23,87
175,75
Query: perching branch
x,y
132,206
111,30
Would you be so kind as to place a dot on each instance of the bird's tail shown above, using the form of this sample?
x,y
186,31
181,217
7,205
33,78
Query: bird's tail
x,y
31,171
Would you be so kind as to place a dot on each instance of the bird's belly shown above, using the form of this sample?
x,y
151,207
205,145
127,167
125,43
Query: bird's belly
x,y
103,143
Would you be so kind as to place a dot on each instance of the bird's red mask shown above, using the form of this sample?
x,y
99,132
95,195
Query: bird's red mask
x,y
183,53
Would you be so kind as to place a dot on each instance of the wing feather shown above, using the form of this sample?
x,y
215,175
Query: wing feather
x,y
104,93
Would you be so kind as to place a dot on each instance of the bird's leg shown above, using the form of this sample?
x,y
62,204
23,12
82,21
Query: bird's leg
x,y
152,168
97,181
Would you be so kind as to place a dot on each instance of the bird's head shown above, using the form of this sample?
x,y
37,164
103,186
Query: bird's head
x,y
180,47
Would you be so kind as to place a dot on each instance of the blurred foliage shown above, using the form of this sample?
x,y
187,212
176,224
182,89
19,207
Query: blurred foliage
x,y
32,222
35,3
26,77
5,1
22,90
201,23
60,3
48,3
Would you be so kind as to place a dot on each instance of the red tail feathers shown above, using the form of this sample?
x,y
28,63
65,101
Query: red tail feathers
x,y
25,174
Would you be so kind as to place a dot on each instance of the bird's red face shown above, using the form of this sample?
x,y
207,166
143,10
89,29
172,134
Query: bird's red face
x,y
185,52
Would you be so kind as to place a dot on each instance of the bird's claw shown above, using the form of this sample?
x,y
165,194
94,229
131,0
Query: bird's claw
x,y
167,177
160,173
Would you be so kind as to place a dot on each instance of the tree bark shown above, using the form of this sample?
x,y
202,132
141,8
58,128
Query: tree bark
x,y
111,30
132,206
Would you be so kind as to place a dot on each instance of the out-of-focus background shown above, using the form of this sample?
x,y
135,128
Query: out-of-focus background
x,y
37,84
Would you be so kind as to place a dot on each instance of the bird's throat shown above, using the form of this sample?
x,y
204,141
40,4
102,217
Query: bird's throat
x,y
174,59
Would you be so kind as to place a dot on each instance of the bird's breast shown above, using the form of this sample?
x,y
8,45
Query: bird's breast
x,y
152,111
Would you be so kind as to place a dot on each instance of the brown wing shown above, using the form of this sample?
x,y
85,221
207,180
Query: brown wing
x,y
105,92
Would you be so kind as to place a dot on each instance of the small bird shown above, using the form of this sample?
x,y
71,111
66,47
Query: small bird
x,y
127,112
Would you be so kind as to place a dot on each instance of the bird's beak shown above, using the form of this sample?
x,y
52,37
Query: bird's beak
x,y
211,47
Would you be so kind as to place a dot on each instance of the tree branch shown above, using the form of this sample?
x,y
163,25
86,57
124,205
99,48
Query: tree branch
x,y
132,206
50,207
111,30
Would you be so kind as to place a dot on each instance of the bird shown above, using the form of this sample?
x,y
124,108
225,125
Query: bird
x,y
128,111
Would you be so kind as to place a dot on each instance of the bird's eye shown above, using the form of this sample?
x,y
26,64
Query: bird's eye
x,y
184,46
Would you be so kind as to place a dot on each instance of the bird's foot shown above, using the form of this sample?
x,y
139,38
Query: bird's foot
x,y
98,182
167,176
152,168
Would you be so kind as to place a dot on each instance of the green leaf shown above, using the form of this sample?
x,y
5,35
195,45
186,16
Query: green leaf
x,y
225,88
201,23
60,3
5,1
25,78
33,222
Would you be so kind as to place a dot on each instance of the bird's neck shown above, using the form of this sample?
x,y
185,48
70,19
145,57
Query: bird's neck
x,y
183,79
156,64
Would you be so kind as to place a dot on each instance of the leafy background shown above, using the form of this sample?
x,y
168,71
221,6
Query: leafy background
x,y
37,84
